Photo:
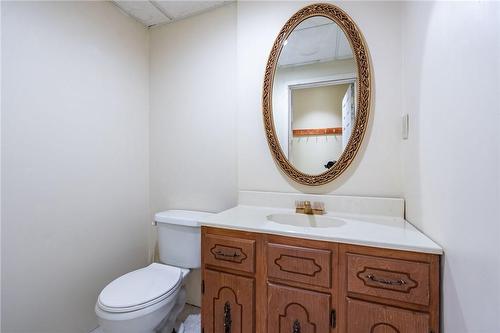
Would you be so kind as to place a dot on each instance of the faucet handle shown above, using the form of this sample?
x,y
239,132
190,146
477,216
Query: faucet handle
x,y
302,206
318,207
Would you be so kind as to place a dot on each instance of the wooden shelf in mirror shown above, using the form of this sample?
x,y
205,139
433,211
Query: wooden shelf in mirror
x,y
317,131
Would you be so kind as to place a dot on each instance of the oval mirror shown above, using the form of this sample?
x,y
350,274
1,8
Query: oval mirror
x,y
316,94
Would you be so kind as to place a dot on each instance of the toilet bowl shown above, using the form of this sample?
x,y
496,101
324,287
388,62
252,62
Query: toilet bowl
x,y
148,300
139,301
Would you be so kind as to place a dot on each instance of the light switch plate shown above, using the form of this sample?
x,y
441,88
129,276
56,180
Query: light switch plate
x,y
405,126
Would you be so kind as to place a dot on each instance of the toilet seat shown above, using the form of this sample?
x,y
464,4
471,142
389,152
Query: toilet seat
x,y
141,288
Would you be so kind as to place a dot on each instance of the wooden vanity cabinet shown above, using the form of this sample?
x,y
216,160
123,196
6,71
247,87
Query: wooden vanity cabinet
x,y
255,282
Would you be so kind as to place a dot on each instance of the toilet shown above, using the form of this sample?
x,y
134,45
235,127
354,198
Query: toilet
x,y
149,299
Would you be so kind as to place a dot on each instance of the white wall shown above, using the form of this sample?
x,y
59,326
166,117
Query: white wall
x,y
376,170
193,116
74,160
451,78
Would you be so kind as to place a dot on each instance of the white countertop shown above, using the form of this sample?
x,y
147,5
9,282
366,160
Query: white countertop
x,y
370,230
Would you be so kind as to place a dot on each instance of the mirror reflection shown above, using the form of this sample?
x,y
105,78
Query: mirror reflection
x,y
314,92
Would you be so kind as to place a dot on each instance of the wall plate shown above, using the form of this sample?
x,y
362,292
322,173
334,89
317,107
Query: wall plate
x,y
405,126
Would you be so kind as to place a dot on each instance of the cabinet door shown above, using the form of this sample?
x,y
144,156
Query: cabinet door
x,y
228,303
292,310
364,317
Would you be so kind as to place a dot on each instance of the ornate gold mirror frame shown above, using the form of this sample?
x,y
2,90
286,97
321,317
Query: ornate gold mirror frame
x,y
360,51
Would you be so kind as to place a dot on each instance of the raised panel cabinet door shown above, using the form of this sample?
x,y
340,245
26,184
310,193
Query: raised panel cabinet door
x,y
364,317
292,310
228,303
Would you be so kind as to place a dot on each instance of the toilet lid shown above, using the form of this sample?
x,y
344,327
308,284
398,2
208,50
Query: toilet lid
x,y
140,288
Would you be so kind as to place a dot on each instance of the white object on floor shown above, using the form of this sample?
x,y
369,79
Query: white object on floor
x,y
192,324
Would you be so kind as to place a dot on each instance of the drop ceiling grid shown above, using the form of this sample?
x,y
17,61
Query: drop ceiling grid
x,y
152,13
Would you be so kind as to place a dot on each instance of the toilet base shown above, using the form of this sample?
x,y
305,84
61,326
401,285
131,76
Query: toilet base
x,y
168,324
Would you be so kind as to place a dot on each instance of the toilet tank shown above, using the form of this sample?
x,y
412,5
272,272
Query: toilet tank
x,y
179,237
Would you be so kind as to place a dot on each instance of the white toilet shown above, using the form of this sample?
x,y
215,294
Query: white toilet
x,y
150,299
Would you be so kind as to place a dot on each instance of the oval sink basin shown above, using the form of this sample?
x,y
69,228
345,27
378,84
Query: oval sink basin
x,y
303,220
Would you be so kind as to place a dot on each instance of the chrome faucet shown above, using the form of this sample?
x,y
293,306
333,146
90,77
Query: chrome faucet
x,y
305,207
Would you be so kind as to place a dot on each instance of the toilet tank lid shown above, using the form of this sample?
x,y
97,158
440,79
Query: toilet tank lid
x,y
188,218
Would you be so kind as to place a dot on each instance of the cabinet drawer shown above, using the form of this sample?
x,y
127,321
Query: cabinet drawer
x,y
299,264
366,317
395,279
229,252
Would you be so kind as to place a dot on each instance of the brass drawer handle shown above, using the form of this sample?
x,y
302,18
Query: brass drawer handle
x,y
399,282
227,255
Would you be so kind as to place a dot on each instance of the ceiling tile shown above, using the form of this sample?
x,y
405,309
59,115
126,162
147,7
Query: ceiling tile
x,y
143,11
316,39
181,9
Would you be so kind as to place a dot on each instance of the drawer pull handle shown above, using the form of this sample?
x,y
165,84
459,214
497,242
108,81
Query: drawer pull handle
x,y
228,255
227,318
296,326
399,282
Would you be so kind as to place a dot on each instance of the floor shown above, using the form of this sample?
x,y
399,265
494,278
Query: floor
x,y
188,310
